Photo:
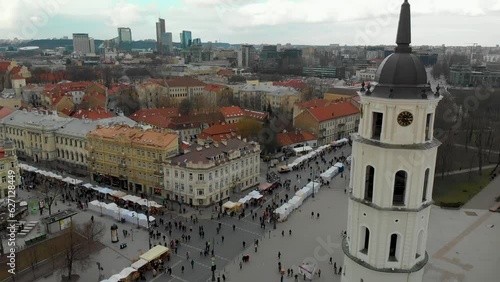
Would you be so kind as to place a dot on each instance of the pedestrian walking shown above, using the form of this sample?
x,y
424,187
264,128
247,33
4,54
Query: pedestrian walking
x,y
290,232
92,218
319,272
296,277
340,270
255,248
331,260
223,277
288,272
335,268
279,255
244,244
182,269
222,238
283,233
241,265
317,216
192,264
312,214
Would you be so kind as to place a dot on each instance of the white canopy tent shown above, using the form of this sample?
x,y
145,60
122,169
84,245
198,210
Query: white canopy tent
x,y
131,198
87,185
138,264
299,150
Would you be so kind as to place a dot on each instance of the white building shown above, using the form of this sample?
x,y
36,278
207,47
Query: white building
x,y
394,157
209,173
366,75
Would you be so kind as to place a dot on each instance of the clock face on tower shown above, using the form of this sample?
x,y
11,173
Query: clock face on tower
x,y
405,118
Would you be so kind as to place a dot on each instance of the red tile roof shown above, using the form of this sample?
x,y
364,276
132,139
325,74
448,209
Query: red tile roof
x,y
219,132
290,138
17,76
15,70
93,114
261,116
231,112
4,66
313,103
214,87
225,72
334,111
5,111
66,111
155,117
183,81
295,84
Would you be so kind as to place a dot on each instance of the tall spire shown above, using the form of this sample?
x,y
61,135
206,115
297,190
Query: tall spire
x,y
403,38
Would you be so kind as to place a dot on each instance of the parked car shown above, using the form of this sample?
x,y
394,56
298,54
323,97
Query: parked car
x,y
284,168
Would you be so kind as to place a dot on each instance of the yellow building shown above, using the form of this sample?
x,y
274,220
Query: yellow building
x,y
130,157
8,162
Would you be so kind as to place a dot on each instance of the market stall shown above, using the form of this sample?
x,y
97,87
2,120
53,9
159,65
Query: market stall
x,y
155,255
229,207
139,264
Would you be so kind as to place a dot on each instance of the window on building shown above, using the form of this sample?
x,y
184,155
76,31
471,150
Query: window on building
x,y
200,192
377,121
190,176
369,178
176,174
201,177
393,245
428,127
398,198
364,240
426,183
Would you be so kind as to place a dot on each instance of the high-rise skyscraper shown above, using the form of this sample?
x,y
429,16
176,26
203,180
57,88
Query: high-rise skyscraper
x,y
166,41
392,176
246,56
160,30
186,39
124,35
82,44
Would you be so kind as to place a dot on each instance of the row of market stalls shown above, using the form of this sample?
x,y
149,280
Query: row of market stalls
x,y
69,180
333,171
300,160
294,203
254,197
147,261
120,214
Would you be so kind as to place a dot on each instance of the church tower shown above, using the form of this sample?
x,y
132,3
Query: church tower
x,y
392,175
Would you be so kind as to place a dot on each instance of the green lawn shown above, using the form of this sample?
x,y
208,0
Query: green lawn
x,y
459,188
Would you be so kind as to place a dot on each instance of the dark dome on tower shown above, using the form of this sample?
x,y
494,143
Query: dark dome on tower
x,y
401,75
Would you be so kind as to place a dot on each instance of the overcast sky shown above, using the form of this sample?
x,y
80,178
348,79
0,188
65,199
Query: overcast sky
x,y
312,22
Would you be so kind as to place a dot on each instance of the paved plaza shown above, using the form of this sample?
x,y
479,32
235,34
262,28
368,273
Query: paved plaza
x,y
462,244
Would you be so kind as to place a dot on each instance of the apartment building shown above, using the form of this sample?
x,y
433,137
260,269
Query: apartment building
x,y
130,157
329,123
207,174
260,97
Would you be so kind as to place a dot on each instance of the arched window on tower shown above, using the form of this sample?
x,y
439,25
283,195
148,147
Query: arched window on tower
x,y
426,183
364,240
369,177
420,243
393,248
398,197
377,121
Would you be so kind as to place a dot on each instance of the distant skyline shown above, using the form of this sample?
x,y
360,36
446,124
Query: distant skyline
x,y
299,22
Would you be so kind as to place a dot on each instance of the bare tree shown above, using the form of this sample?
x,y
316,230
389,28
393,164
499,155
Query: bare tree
x,y
51,192
92,230
74,251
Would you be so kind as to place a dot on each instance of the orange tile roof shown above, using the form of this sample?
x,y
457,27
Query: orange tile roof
x,y
290,138
134,135
334,111
256,115
93,114
219,132
183,81
313,103
214,87
231,112
66,111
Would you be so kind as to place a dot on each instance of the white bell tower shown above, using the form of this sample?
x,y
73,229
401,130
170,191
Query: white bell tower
x,y
392,175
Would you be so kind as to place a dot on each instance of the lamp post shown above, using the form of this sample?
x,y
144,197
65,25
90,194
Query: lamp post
x,y
312,177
